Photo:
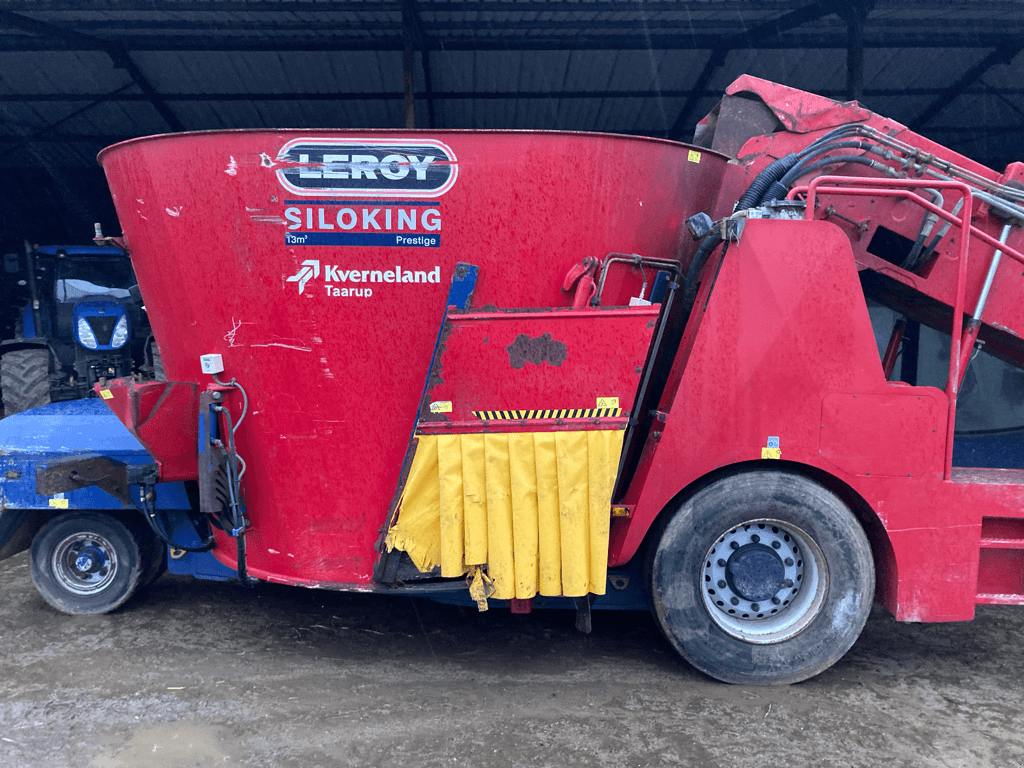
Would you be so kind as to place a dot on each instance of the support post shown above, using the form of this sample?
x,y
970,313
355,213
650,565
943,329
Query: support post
x,y
855,16
408,45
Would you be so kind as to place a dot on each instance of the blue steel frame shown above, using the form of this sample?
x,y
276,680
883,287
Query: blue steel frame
x,y
33,438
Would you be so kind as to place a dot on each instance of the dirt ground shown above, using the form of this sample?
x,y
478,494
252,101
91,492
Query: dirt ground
x,y
193,673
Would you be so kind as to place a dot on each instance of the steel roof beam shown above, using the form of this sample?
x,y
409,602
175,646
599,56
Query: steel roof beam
x,y
120,57
331,6
746,39
832,40
1001,55
31,98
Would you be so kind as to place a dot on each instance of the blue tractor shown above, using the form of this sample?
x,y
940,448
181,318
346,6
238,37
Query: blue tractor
x,y
80,321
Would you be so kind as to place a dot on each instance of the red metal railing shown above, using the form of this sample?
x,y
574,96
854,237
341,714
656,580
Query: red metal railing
x,y
862,187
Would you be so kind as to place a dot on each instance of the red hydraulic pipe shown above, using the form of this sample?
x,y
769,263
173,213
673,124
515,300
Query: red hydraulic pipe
x,y
892,351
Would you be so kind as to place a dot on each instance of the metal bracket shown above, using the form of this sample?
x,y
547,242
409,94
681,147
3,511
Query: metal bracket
x,y
92,469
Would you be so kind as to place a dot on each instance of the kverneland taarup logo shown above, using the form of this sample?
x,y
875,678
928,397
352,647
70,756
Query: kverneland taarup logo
x,y
404,168
310,268
338,281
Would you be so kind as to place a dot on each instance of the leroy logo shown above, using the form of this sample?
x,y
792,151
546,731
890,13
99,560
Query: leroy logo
x,y
310,270
406,168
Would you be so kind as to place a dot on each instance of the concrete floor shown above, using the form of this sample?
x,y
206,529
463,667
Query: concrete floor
x,y
193,674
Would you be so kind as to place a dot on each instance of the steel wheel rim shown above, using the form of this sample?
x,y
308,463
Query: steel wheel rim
x,y
84,563
787,596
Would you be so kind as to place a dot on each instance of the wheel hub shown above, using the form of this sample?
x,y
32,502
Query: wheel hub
x,y
84,563
763,581
755,572
90,560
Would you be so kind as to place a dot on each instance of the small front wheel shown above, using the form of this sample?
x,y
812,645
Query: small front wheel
x,y
86,563
762,578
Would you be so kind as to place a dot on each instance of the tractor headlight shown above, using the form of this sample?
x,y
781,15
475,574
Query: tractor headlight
x,y
120,333
85,335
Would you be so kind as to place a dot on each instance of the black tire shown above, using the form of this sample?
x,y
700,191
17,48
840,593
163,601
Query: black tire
x,y
86,563
151,549
156,562
25,379
788,601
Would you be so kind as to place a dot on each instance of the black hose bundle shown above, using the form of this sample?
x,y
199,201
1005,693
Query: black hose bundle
x,y
763,181
765,186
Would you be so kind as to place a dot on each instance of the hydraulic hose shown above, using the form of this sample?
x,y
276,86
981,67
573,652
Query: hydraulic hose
x,y
835,133
700,258
150,514
763,181
927,224
781,188
776,170
941,234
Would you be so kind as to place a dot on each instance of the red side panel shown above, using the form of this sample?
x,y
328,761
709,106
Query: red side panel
x,y
163,416
799,111
323,287
513,367
786,351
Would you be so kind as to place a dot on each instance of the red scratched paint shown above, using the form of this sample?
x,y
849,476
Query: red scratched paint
x,y
334,373
594,354
771,361
238,252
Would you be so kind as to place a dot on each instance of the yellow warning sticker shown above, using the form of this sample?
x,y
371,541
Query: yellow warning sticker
x,y
441,406
771,453
106,394
607,402
693,156
59,503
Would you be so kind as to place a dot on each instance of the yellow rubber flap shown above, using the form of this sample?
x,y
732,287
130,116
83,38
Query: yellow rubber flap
x,y
531,507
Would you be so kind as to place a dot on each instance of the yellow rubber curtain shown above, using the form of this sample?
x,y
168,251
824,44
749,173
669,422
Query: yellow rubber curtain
x,y
534,507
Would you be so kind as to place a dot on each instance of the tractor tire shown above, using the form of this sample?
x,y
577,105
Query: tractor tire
x,y
25,379
763,578
86,563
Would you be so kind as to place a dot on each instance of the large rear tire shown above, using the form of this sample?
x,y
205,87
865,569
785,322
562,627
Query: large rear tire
x,y
25,379
762,578
86,563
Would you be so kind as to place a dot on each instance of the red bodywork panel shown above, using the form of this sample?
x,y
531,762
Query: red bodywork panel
x,y
537,377
769,362
317,265
158,414
221,231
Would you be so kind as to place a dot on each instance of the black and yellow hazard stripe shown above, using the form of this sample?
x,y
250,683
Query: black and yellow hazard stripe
x,y
564,413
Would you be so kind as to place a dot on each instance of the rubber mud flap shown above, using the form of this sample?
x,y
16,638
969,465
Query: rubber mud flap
x,y
762,578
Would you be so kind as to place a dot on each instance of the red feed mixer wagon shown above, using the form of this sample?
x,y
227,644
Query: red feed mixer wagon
x,y
517,366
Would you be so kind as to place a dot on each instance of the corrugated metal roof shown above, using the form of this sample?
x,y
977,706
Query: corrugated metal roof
x,y
76,75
